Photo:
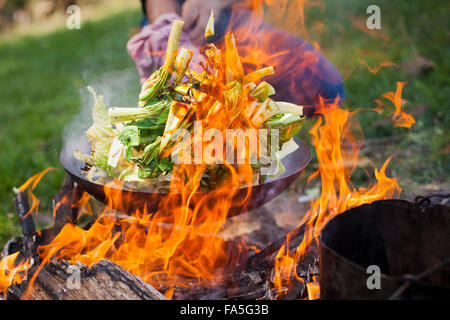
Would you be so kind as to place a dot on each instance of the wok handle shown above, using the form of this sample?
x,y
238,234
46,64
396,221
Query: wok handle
x,y
311,110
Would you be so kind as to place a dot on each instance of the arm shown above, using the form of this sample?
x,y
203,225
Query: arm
x,y
155,8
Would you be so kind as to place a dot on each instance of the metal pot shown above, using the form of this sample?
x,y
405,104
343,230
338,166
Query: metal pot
x,y
408,242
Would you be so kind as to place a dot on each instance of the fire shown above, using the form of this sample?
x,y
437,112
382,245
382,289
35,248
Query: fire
x,y
261,45
174,243
375,70
336,164
400,118
11,272
179,243
30,185
313,290
285,14
12,269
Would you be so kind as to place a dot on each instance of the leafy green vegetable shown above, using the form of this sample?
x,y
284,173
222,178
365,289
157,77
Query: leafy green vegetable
x,y
151,165
152,109
149,129
101,133
152,123
154,83
130,136
289,125
263,91
133,144
150,153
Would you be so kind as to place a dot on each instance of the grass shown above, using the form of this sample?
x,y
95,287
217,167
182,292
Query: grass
x,y
42,82
43,78
409,29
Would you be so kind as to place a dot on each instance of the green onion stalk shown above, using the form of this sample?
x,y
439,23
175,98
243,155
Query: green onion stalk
x,y
154,108
158,79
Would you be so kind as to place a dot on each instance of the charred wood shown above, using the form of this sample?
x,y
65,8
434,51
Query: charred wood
x,y
65,204
29,238
295,236
103,281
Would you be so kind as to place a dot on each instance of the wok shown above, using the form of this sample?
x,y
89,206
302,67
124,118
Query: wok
x,y
137,199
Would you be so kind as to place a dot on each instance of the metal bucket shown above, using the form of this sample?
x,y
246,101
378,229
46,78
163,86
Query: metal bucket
x,y
408,242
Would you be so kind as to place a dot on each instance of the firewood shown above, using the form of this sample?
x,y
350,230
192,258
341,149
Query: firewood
x,y
103,281
296,236
106,280
65,204
28,227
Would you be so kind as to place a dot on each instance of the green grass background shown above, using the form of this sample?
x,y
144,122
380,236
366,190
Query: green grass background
x,y
43,79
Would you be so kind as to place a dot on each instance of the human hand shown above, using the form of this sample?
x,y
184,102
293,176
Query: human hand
x,y
196,14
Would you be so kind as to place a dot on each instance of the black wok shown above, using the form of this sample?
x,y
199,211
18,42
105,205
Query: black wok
x,y
133,199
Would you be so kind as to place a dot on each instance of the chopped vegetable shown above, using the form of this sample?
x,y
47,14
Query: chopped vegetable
x,y
177,113
101,133
286,107
209,32
258,74
158,79
153,108
289,125
262,91
134,144
234,69
182,63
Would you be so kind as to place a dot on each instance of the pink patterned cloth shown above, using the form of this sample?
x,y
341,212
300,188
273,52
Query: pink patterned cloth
x,y
148,47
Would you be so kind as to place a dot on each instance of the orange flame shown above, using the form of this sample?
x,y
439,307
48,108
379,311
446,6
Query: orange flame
x,y
376,69
336,164
179,243
30,185
313,290
401,118
11,272
260,44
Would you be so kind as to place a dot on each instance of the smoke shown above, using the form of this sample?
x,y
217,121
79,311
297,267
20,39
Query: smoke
x,y
120,89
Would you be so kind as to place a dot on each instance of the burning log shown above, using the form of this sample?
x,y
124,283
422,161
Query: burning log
x,y
103,281
65,204
268,252
26,220
307,268
251,281
256,283
62,280
65,211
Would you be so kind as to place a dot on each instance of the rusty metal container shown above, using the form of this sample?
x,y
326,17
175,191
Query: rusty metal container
x,y
409,242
